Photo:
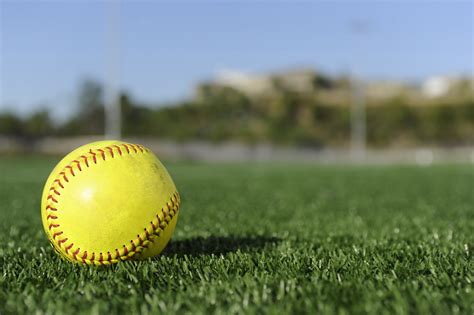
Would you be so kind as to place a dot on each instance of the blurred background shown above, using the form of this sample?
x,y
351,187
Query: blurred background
x,y
345,81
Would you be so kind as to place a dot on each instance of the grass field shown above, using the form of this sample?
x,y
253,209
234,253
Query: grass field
x,y
263,238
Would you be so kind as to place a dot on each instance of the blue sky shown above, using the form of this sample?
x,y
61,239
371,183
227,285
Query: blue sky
x,y
47,48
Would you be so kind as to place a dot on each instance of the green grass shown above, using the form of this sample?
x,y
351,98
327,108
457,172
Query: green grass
x,y
263,238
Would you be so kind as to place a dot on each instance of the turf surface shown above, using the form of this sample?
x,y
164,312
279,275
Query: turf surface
x,y
263,238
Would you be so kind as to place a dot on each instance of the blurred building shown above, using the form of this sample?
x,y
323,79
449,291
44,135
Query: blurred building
x,y
439,86
436,86
255,85
382,90
335,90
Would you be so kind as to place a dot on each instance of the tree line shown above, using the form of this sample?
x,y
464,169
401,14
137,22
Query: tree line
x,y
284,118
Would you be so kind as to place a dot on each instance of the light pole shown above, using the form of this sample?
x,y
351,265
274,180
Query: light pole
x,y
358,121
112,101
358,103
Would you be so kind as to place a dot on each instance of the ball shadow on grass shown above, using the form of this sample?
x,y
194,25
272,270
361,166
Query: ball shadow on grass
x,y
218,245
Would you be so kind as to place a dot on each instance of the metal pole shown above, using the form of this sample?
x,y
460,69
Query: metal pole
x,y
358,121
358,107
112,102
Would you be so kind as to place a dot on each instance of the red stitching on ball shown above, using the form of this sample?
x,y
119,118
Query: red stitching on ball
x,y
71,170
57,234
133,147
69,247
51,197
64,176
140,241
76,253
84,257
52,217
126,147
62,241
102,153
52,225
55,191
125,250
48,207
118,149
85,160
111,151
94,158
59,182
78,164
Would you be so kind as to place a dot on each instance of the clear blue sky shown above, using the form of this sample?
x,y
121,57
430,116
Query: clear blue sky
x,y
165,48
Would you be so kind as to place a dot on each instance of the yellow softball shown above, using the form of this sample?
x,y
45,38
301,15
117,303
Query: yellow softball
x,y
109,201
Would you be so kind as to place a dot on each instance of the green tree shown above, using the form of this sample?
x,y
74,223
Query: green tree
x,y
39,124
10,125
91,108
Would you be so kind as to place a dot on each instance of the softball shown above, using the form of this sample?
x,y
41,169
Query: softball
x,y
109,201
